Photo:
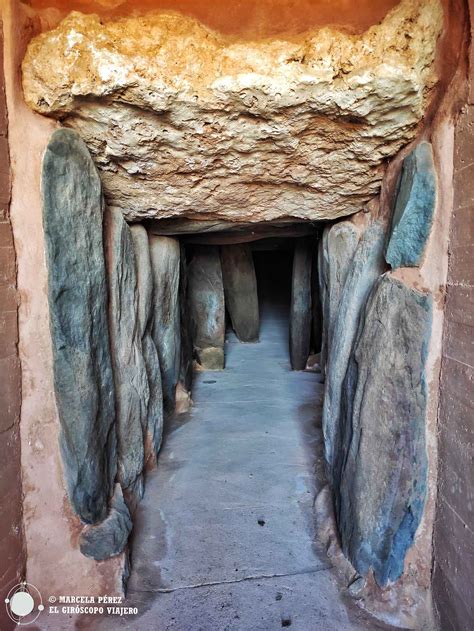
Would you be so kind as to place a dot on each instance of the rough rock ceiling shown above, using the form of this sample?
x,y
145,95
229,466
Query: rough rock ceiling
x,y
184,122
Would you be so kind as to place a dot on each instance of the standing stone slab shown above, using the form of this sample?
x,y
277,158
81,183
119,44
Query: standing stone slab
x,y
382,460
323,278
110,537
367,265
206,301
165,264
154,424
186,368
300,308
77,293
414,209
130,376
317,315
240,289
342,240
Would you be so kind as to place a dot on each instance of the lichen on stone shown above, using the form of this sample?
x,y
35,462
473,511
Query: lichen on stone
x,y
183,121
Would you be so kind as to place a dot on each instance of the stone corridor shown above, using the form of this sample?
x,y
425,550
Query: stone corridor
x,y
225,535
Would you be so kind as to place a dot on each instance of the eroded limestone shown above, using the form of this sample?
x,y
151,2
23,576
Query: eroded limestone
x,y
185,122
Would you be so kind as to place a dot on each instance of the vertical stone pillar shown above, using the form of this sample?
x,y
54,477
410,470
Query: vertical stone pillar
x,y
300,310
206,300
366,266
186,368
240,289
165,263
77,293
154,424
130,377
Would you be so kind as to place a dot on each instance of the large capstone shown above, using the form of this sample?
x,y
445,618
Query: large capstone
x,y
382,462
300,307
367,265
240,289
77,293
154,425
165,263
207,309
183,121
110,537
414,209
130,375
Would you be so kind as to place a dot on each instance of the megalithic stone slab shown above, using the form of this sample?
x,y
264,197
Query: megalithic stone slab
x,y
186,368
367,265
414,209
77,293
300,309
130,376
154,425
323,278
110,537
342,240
383,461
206,300
165,264
316,304
240,290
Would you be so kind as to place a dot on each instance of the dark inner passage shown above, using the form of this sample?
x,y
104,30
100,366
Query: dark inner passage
x,y
273,268
235,285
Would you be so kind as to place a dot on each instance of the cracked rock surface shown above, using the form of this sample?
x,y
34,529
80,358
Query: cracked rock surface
x,y
183,121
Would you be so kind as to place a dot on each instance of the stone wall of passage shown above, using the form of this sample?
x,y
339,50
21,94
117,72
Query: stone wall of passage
x,y
12,549
453,584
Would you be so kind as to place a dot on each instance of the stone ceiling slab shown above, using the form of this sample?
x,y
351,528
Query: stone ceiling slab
x,y
185,122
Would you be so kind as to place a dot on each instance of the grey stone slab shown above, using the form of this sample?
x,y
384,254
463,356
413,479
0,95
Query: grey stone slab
x,y
154,425
240,290
414,209
77,294
342,240
186,368
206,303
382,463
110,537
130,374
323,278
316,303
165,263
300,309
367,265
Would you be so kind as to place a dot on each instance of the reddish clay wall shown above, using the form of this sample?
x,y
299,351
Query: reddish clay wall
x,y
12,552
245,18
453,584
